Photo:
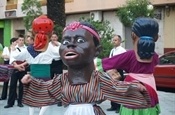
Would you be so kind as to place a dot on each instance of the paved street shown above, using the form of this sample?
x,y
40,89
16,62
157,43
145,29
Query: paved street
x,y
167,104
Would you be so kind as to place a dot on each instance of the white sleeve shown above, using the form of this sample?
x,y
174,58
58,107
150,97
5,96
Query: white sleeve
x,y
5,51
16,55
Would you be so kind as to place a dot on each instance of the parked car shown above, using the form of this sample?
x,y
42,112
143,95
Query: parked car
x,y
165,71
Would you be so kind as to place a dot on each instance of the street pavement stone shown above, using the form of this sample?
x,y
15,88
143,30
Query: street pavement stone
x,y
167,105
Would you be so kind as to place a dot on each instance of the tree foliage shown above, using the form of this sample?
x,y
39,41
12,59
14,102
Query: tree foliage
x,y
56,12
134,9
105,32
31,9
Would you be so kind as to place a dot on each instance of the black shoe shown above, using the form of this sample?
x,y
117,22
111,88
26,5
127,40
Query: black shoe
x,y
20,105
111,109
117,110
2,98
8,106
59,104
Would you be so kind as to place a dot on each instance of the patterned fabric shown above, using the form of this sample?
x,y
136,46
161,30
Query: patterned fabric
x,y
6,72
101,87
32,52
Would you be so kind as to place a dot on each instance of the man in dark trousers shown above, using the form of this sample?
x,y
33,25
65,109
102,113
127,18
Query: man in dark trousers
x,y
117,49
6,57
17,75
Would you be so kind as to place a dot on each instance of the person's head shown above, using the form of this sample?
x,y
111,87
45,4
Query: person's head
x,y
116,40
29,40
54,36
20,40
13,41
144,35
79,45
42,28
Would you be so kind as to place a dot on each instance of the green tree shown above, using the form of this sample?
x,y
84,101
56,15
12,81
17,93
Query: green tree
x,y
105,32
134,9
56,12
32,9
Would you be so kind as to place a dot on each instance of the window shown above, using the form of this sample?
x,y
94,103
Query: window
x,y
168,58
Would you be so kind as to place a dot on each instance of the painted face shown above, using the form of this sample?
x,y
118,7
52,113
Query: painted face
x,y
77,48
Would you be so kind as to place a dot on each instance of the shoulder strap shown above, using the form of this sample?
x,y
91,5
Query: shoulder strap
x,y
18,49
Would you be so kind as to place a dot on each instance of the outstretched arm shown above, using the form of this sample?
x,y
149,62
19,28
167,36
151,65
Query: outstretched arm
x,y
39,93
126,93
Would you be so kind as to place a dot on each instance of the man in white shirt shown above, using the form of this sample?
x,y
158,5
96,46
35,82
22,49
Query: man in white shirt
x,y
118,49
57,64
17,75
6,56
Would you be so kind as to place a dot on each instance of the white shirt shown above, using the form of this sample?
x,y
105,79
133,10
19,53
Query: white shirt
x,y
6,52
42,58
17,51
117,50
54,50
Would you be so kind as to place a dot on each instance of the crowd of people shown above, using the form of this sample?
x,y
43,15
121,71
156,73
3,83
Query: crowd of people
x,y
88,81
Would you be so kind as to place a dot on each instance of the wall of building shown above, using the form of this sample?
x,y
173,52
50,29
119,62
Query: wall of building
x,y
169,30
18,27
75,6
76,9
2,8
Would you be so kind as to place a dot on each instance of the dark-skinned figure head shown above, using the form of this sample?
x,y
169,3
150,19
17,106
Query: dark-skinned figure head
x,y
146,29
80,44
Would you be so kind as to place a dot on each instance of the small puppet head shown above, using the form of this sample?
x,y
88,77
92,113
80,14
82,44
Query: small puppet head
x,y
42,28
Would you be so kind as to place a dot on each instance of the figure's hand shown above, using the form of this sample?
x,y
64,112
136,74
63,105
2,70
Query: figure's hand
x,y
114,74
26,79
135,86
140,86
19,67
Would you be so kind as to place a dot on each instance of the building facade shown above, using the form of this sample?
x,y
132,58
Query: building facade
x,y
11,22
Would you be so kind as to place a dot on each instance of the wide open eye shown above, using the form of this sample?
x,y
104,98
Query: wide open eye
x,y
80,40
65,42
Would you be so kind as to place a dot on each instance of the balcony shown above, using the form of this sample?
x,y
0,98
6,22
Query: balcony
x,y
11,4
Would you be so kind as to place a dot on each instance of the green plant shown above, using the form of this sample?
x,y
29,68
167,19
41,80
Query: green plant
x,y
134,9
32,9
105,32
59,30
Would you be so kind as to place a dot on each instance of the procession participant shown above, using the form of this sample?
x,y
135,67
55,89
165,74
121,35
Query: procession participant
x,y
139,63
6,56
82,87
38,55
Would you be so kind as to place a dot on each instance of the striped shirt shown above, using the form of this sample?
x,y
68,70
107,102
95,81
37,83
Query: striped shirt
x,y
101,87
